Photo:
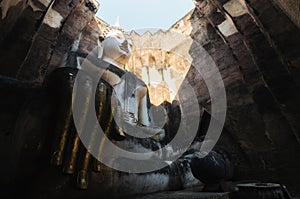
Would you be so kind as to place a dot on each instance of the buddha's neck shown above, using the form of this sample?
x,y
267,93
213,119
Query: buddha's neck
x,y
112,61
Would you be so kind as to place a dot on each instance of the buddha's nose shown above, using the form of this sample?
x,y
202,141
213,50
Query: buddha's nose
x,y
124,46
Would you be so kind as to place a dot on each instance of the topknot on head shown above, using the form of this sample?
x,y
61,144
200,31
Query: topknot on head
x,y
111,29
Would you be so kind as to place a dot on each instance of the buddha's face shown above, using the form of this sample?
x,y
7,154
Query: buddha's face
x,y
117,46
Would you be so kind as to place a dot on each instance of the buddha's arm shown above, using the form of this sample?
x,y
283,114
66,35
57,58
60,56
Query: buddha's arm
x,y
98,68
142,106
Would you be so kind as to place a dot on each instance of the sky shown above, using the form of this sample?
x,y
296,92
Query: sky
x,y
144,14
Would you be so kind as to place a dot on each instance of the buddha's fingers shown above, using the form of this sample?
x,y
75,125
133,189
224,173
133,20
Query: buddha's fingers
x,y
107,131
62,127
82,176
83,101
70,164
57,157
97,166
100,109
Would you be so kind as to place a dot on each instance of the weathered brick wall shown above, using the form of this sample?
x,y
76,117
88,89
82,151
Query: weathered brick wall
x,y
254,45
291,8
36,34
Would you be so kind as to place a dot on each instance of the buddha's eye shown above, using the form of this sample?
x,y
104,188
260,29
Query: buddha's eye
x,y
118,37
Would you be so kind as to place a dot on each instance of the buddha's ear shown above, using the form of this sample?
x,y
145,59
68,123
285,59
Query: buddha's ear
x,y
100,50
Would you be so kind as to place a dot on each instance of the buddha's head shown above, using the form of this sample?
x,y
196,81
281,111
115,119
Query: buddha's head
x,y
117,45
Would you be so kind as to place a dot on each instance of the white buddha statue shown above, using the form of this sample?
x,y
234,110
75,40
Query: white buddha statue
x,y
131,92
132,113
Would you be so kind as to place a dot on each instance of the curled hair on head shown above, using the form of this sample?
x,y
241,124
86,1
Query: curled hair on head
x,y
110,29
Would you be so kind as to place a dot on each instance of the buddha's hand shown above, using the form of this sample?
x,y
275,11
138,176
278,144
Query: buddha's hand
x,y
69,152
